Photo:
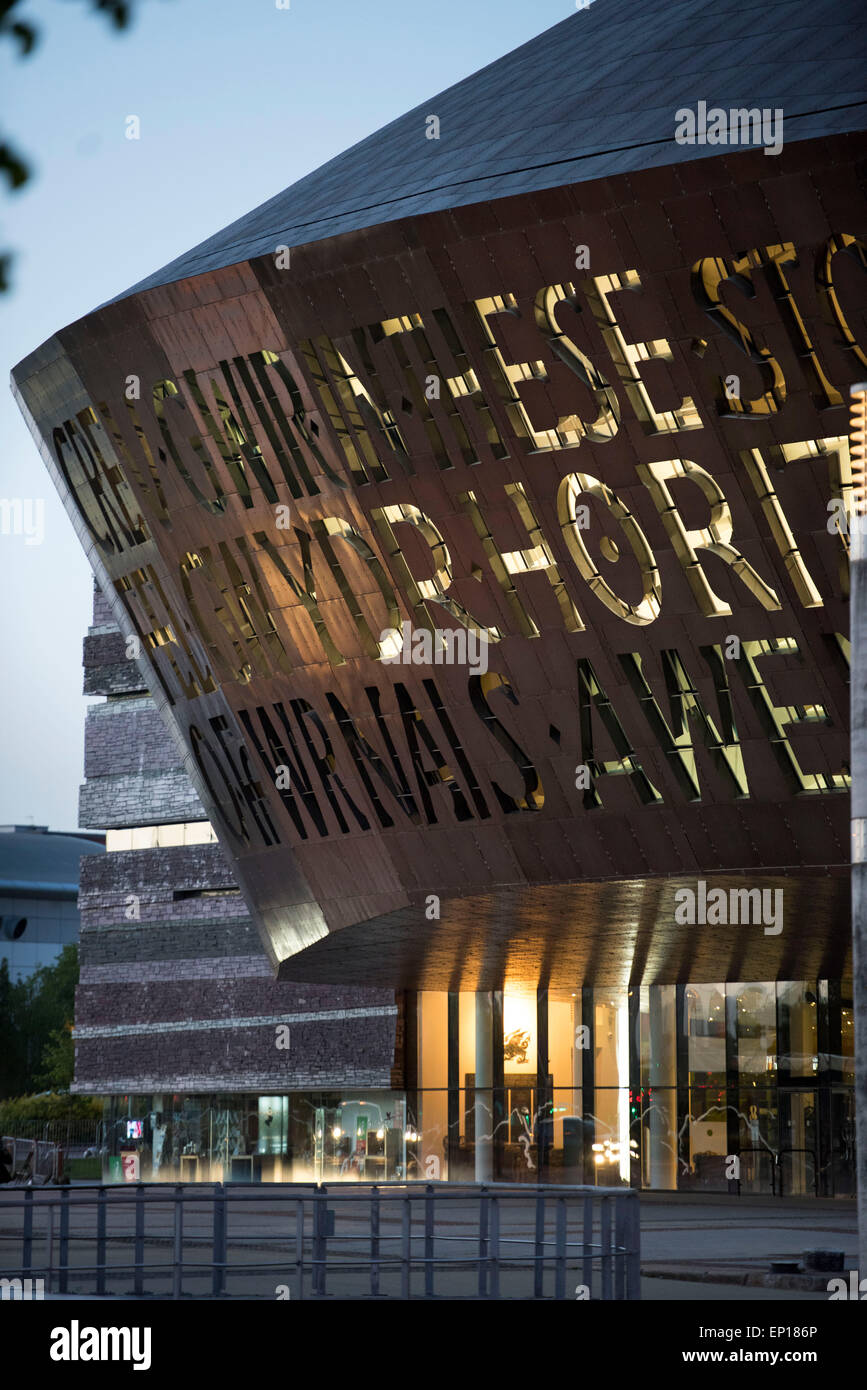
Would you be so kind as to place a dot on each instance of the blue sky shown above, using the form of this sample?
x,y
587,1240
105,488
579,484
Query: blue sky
x,y
237,99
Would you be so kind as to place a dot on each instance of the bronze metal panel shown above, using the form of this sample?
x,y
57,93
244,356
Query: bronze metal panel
x,y
230,446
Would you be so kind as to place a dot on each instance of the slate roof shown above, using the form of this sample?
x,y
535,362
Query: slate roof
x,y
593,96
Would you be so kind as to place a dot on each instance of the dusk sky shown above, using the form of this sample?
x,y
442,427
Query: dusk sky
x,y
237,99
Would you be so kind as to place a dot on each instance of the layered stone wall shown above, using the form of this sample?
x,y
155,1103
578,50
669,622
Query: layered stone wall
x,y
176,993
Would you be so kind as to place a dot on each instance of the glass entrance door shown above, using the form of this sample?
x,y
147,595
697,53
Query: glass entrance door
x,y
799,1143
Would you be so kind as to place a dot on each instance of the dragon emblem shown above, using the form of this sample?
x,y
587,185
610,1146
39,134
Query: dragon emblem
x,y
515,1046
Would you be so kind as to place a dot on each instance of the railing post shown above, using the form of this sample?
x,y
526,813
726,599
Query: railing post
x,y
101,1200
27,1231
406,1249
605,1239
620,1246
320,1208
138,1271
428,1241
539,1248
633,1264
483,1242
495,1246
219,1245
299,1244
587,1272
62,1283
50,1271
560,1250
374,1240
178,1251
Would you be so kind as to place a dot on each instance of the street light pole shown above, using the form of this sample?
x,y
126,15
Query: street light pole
x,y
858,704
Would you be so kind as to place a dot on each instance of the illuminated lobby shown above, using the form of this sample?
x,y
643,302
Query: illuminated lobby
x,y
718,1088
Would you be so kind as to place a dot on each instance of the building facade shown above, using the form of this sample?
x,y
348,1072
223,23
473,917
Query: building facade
x,y
475,513
179,1020
214,1069
39,872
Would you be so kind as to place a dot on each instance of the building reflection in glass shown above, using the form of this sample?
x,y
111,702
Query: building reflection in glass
x,y
738,1087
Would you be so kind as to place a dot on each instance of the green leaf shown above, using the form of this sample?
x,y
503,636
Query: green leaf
x,y
13,166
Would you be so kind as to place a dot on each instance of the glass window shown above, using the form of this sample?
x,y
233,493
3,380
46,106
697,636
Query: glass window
x,y
568,1045
847,1034
756,1014
433,1077
464,1157
758,1137
702,1142
705,1027
610,1041
799,1034
656,1101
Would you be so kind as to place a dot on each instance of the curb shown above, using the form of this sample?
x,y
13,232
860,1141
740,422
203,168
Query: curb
x,y
806,1283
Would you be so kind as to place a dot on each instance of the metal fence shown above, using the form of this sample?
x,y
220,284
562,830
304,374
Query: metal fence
x,y
32,1160
74,1135
353,1241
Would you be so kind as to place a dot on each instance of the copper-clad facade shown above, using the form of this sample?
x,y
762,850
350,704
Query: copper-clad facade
x,y
438,423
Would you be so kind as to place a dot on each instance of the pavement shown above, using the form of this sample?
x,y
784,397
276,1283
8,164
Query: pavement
x,y
727,1243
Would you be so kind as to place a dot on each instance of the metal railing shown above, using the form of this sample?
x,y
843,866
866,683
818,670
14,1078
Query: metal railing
x,y
32,1160
352,1241
70,1133
777,1167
